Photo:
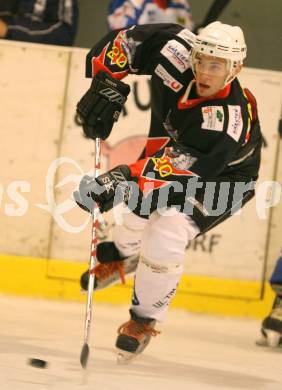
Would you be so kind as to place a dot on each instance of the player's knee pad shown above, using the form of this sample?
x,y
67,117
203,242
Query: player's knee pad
x,y
154,286
167,266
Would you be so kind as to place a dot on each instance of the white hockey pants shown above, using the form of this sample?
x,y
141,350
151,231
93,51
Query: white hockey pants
x,y
161,242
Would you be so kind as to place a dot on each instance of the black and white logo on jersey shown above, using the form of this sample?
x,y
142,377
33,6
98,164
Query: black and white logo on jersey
x,y
235,124
168,80
177,55
187,36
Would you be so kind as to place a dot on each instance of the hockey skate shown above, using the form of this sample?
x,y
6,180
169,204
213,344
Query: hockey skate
x,y
111,268
133,337
271,331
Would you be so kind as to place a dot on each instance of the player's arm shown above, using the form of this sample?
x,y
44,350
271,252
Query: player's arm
x,y
130,183
137,50
57,27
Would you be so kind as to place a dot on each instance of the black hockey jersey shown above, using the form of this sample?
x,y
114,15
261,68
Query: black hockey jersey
x,y
215,137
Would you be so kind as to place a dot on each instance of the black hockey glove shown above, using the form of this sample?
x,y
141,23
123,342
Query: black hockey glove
x,y
101,105
107,190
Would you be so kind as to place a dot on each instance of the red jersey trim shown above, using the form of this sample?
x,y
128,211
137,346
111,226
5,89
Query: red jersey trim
x,y
190,103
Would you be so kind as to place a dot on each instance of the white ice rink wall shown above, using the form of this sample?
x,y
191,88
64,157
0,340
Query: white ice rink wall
x,y
45,239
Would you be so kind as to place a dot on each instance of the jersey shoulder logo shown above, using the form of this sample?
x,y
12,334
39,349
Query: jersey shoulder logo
x,y
168,80
177,55
235,123
213,118
187,36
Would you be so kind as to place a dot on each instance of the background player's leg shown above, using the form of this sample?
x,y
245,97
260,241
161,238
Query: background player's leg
x,y
272,324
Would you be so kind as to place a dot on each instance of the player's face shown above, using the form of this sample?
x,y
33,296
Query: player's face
x,y
210,74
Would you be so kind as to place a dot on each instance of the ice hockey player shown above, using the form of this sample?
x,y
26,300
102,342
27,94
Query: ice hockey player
x,y
271,328
201,162
125,13
52,22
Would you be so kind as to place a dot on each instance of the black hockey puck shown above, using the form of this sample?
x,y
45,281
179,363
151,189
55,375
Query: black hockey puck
x,y
38,363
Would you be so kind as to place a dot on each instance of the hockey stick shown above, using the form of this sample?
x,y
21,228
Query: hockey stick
x,y
84,355
213,13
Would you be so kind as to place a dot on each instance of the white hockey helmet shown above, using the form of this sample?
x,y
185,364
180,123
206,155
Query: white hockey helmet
x,y
223,41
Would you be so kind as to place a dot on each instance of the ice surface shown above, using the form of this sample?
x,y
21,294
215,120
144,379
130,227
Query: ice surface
x,y
193,351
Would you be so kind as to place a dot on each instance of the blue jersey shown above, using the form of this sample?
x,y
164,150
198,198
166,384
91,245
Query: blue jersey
x,y
124,13
276,277
40,21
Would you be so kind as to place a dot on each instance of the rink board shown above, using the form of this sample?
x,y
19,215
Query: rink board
x,y
43,156
30,277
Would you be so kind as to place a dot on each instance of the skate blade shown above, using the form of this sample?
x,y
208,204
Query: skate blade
x,y
262,341
124,357
272,339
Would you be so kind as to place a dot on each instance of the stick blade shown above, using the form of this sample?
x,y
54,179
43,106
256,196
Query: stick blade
x,y
84,356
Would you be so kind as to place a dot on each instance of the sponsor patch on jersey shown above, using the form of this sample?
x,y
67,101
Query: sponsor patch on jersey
x,y
169,81
187,36
235,124
177,55
213,118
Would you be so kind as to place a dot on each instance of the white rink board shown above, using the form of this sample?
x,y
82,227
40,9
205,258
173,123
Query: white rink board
x,y
234,250
33,82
